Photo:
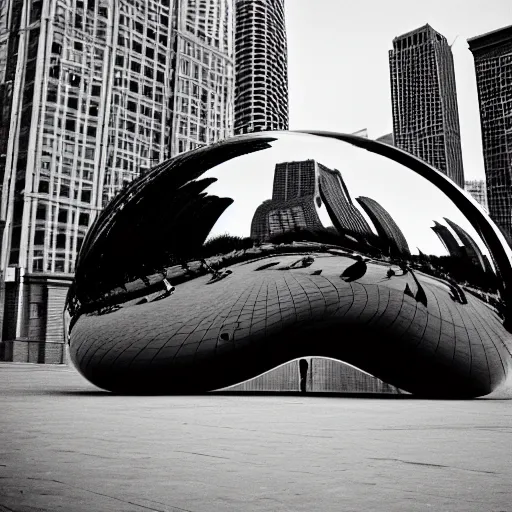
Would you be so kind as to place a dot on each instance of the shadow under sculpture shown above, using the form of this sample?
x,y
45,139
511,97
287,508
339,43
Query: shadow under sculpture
x,y
185,283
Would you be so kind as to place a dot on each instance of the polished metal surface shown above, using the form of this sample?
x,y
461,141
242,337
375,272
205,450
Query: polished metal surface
x,y
227,261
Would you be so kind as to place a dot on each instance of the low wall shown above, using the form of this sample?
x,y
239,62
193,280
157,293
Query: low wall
x,y
29,351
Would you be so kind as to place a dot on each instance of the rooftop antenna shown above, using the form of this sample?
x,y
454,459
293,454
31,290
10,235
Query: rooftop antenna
x,y
456,37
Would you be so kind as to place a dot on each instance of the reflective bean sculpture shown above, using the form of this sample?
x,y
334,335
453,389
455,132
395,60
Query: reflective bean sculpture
x,y
227,261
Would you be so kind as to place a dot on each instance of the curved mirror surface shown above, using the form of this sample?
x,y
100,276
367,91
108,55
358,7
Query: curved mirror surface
x,y
228,261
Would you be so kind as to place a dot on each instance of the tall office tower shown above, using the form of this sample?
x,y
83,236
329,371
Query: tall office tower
x,y
478,190
424,100
88,95
202,111
135,91
389,232
492,53
261,68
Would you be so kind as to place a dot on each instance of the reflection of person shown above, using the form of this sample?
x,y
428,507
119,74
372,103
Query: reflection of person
x,y
208,268
169,290
403,267
355,271
304,262
219,275
420,296
303,370
390,273
456,292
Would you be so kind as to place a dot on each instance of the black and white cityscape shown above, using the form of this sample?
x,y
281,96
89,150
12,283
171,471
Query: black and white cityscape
x,y
94,96
173,236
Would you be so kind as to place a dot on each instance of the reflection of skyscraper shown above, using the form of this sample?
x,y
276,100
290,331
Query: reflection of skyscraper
x,y
447,239
493,65
425,115
478,190
295,179
344,215
261,85
300,187
472,250
273,218
294,193
386,227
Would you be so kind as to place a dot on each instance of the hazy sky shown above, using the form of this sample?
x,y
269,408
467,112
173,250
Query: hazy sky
x,y
339,68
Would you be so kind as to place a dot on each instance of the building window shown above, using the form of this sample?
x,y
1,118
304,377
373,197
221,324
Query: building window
x,y
83,219
44,186
63,216
61,241
64,191
41,212
86,196
39,237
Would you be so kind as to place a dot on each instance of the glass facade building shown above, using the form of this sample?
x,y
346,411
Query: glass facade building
x,y
478,189
492,53
93,93
424,100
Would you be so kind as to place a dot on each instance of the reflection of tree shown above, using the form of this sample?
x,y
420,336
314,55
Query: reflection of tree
x,y
330,236
460,269
160,220
224,244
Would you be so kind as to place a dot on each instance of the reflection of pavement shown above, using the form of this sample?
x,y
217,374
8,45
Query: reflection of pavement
x,y
67,447
199,320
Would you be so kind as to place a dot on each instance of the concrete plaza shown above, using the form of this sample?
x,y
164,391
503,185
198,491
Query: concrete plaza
x,y
67,446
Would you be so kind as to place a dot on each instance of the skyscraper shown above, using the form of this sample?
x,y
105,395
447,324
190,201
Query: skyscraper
x,y
202,111
93,92
424,100
261,69
389,232
478,190
493,65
